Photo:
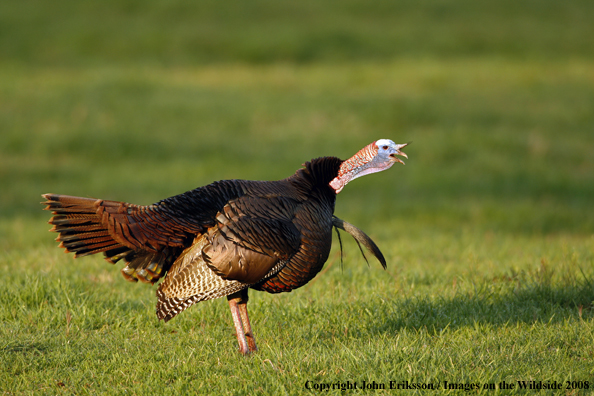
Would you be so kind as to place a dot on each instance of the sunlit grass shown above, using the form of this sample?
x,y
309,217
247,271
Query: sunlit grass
x,y
474,308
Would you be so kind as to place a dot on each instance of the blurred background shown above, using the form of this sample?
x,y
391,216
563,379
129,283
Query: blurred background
x,y
488,230
140,100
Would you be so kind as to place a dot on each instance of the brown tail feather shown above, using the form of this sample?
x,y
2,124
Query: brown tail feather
x,y
81,229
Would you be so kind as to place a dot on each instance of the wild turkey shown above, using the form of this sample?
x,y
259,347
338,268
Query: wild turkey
x,y
223,238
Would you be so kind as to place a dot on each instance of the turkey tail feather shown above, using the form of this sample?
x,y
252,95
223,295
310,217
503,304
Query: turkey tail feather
x,y
82,231
80,228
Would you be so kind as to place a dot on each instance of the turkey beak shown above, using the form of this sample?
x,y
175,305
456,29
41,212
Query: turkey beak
x,y
397,151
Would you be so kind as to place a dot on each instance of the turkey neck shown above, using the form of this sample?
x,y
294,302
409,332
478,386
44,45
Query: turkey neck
x,y
313,180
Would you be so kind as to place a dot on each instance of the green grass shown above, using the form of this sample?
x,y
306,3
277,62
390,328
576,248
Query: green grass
x,y
488,230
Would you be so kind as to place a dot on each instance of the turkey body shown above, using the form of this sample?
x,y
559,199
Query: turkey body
x,y
269,236
214,241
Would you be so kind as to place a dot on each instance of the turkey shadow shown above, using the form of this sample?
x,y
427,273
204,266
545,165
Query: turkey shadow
x,y
529,305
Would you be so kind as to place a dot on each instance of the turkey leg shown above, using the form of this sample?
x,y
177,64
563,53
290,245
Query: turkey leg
x,y
245,320
243,329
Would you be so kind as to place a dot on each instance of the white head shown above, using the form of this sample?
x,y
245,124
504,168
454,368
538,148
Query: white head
x,y
375,157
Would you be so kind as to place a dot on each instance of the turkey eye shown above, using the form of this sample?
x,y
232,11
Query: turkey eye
x,y
385,147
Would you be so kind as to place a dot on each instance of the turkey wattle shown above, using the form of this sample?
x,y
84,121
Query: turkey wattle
x,y
226,237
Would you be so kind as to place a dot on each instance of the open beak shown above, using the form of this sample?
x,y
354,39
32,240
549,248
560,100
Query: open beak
x,y
398,152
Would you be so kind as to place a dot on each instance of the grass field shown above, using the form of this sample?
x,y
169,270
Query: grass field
x,y
488,230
